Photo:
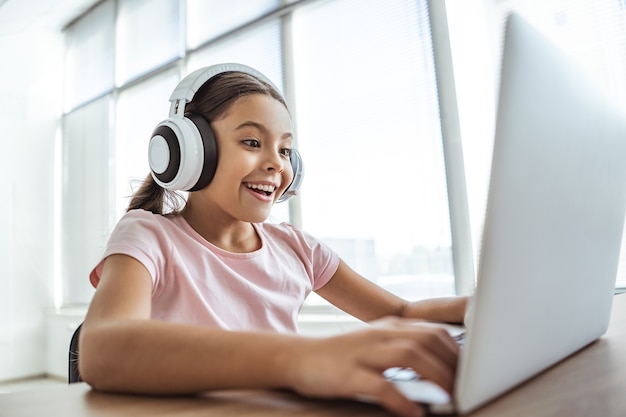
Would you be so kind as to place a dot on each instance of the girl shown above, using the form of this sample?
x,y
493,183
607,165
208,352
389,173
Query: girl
x,y
207,296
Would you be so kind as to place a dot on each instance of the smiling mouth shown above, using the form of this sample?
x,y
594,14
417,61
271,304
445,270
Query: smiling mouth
x,y
261,188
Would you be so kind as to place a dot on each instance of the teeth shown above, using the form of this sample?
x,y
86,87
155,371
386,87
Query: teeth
x,y
262,187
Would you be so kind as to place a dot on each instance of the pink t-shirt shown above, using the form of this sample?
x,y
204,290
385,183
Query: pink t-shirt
x,y
195,282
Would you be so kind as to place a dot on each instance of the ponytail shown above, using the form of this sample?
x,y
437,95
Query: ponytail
x,y
154,198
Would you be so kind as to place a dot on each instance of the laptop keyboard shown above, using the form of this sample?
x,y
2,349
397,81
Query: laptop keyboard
x,y
460,338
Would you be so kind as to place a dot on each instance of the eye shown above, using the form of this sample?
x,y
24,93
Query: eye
x,y
286,152
253,143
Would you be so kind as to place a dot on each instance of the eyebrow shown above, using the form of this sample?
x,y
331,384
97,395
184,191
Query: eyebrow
x,y
261,127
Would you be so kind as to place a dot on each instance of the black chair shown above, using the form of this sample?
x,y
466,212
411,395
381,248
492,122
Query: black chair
x,y
73,374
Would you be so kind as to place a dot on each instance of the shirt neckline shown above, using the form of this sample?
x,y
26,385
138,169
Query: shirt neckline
x,y
198,237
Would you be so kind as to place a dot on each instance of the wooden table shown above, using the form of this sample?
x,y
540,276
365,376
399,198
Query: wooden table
x,y
590,383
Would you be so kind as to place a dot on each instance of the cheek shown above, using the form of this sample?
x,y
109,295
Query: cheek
x,y
287,176
229,168
225,178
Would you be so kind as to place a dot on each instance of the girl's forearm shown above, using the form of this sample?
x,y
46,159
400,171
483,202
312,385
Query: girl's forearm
x,y
154,357
443,309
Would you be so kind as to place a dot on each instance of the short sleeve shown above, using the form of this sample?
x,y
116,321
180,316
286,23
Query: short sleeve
x,y
323,260
138,234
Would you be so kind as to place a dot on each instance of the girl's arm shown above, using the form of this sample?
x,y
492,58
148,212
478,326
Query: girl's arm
x,y
365,300
121,349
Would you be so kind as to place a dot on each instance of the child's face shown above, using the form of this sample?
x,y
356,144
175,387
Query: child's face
x,y
253,139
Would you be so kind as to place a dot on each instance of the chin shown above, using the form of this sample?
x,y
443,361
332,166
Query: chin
x,y
256,218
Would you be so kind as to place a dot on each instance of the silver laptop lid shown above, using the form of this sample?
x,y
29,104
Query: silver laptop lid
x,y
553,224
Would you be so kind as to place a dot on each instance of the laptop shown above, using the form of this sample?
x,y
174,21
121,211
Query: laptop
x,y
553,225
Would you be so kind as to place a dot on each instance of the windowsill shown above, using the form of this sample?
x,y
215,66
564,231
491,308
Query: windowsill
x,y
77,310
318,320
326,321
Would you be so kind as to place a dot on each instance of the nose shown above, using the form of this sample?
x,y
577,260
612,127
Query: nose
x,y
274,161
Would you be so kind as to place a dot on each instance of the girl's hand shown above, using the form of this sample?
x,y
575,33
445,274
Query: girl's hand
x,y
351,365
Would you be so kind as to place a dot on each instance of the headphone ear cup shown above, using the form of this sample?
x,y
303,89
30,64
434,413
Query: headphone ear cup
x,y
209,150
164,153
297,167
182,153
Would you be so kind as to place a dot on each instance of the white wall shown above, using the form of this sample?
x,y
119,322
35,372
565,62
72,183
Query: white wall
x,y
30,105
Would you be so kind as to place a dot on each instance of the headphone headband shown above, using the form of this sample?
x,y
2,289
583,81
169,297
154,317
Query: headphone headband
x,y
189,86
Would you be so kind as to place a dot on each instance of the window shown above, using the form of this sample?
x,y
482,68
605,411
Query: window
x,y
359,77
148,35
87,196
89,56
209,19
258,47
368,129
363,94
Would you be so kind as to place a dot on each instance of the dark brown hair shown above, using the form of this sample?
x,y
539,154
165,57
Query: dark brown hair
x,y
211,101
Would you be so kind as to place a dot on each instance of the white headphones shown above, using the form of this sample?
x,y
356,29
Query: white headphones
x,y
183,153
